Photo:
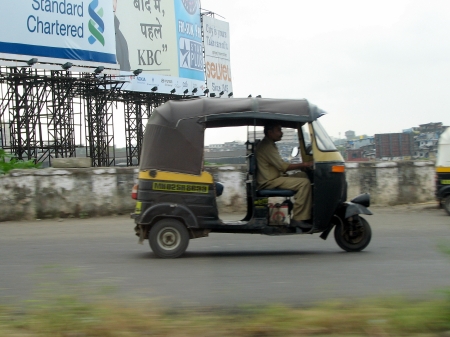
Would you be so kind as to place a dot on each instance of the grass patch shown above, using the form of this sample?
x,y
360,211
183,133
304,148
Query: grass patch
x,y
8,163
444,247
65,306
68,316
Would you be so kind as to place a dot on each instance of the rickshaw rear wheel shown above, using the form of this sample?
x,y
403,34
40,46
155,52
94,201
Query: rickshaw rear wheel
x,y
446,204
168,238
353,239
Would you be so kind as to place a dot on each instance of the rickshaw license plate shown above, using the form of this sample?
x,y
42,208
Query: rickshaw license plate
x,y
137,209
445,182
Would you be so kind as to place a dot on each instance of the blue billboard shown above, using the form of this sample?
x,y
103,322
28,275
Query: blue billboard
x,y
71,30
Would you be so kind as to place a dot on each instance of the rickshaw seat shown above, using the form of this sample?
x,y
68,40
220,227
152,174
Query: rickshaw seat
x,y
276,192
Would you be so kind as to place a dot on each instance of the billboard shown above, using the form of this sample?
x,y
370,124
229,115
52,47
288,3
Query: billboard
x,y
146,36
164,40
158,41
58,30
217,55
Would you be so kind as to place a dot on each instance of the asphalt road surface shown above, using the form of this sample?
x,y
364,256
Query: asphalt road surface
x,y
101,257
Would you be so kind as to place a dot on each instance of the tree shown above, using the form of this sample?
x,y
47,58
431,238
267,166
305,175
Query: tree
x,y
8,163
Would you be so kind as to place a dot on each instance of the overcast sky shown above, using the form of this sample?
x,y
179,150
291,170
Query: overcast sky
x,y
373,66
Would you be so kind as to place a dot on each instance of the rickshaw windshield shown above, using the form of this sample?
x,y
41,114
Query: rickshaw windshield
x,y
324,142
306,135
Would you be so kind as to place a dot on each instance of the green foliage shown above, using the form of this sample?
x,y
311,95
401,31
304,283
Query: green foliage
x,y
444,247
8,163
67,307
67,315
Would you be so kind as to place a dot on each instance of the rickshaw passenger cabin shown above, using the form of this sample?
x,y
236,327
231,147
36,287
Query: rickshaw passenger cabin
x,y
176,197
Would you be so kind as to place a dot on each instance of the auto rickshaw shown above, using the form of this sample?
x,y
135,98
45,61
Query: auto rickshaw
x,y
176,196
443,171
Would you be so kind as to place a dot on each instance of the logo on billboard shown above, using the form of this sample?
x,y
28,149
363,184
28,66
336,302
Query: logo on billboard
x,y
190,6
96,24
191,54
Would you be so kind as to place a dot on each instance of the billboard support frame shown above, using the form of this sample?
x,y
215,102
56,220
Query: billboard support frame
x,y
39,109
61,116
99,122
138,109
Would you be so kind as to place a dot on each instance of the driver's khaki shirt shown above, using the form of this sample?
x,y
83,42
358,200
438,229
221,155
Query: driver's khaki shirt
x,y
269,163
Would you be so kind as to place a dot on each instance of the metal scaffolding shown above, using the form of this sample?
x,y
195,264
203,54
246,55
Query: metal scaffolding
x,y
99,93
133,130
60,116
42,113
24,99
138,108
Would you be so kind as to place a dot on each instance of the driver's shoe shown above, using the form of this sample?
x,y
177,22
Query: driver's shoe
x,y
301,224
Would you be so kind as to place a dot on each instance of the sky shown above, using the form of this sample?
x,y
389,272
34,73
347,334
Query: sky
x,y
373,66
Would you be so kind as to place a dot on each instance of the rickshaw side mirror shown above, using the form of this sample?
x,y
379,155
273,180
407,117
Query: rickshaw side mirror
x,y
294,152
219,189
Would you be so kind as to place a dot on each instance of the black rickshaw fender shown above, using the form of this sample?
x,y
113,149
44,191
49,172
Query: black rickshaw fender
x,y
353,209
443,192
345,211
169,210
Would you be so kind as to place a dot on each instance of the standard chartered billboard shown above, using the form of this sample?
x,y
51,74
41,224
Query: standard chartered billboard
x,y
70,30
161,38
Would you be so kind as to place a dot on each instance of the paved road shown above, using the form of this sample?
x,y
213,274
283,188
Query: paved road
x,y
87,256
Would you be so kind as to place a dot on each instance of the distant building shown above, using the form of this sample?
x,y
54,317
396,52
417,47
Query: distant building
x,y
350,134
340,142
410,130
426,140
237,156
236,152
358,143
369,151
355,155
418,142
227,146
394,146
432,127
362,149
227,153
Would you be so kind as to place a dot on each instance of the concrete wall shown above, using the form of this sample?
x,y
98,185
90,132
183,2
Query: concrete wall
x,y
82,192
53,193
392,183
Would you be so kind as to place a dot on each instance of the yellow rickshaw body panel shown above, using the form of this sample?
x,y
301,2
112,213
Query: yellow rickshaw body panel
x,y
204,178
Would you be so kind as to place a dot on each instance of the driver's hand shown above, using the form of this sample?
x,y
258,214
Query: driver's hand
x,y
308,165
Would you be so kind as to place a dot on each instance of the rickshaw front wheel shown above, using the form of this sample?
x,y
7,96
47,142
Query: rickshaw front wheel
x,y
168,238
353,237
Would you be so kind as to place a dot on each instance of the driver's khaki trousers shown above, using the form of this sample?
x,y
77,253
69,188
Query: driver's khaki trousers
x,y
297,182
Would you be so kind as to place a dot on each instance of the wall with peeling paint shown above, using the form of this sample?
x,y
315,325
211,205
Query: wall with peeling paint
x,y
392,183
82,192
54,193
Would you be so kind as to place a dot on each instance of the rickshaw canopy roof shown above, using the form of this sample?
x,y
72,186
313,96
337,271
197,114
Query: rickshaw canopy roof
x,y
174,136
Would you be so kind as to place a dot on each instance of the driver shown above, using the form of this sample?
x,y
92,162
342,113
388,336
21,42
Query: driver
x,y
272,170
